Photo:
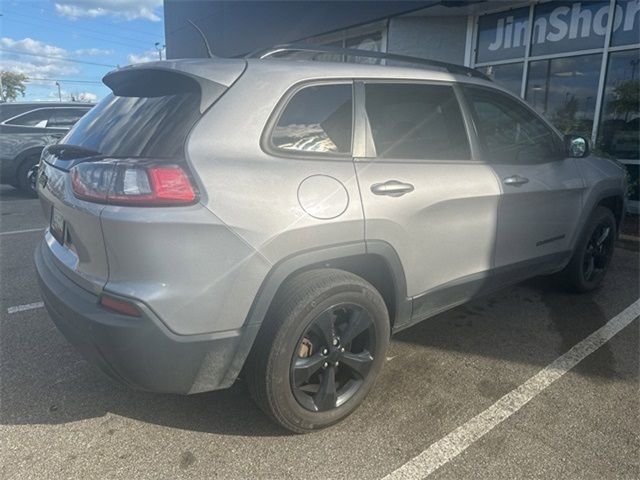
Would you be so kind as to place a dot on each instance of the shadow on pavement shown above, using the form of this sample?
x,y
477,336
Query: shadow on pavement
x,y
44,381
11,194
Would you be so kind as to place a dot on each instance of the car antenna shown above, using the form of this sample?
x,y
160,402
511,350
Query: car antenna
x,y
204,39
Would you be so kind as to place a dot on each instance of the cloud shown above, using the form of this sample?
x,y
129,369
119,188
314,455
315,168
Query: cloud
x,y
29,45
35,66
126,9
149,56
93,52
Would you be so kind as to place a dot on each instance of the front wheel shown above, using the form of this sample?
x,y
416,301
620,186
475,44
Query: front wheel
x,y
592,256
27,174
320,349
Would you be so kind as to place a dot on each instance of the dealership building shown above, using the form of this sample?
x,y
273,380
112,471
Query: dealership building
x,y
576,62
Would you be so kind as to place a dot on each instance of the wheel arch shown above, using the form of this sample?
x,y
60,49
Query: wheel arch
x,y
375,261
26,154
615,203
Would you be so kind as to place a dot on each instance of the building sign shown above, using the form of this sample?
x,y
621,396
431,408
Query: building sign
x,y
557,27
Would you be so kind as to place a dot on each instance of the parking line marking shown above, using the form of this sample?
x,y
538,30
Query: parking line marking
x,y
22,308
16,232
456,442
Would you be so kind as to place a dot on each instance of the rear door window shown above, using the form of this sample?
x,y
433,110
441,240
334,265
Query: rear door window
x,y
66,117
416,121
34,118
317,120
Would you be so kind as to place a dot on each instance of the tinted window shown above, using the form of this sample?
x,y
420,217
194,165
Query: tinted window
x,y
410,121
509,132
34,118
137,126
65,117
317,119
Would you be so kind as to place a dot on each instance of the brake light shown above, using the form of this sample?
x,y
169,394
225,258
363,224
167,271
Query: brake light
x,y
141,183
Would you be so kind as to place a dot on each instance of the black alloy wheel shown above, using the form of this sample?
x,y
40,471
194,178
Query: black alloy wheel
x,y
598,252
319,350
333,357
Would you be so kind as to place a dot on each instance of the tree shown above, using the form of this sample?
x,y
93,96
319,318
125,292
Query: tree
x,y
11,85
626,98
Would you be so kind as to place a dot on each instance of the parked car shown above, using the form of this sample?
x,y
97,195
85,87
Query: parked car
x,y
282,218
25,129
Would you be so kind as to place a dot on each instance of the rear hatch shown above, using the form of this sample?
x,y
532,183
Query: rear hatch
x,y
143,124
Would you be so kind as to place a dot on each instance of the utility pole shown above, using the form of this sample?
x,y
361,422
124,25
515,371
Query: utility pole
x,y
59,92
159,49
2,97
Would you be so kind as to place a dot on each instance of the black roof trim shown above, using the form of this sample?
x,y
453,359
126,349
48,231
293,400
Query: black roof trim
x,y
417,61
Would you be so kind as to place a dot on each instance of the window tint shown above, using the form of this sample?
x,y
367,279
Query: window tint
x,y
317,119
34,118
154,127
66,117
411,121
509,132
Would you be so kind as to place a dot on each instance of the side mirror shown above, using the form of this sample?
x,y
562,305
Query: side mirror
x,y
576,146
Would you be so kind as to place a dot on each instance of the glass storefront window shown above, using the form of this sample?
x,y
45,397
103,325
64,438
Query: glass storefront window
x,y
569,26
508,75
502,36
626,23
565,91
619,133
371,42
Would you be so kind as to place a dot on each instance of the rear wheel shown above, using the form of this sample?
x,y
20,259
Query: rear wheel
x,y
593,253
320,349
27,173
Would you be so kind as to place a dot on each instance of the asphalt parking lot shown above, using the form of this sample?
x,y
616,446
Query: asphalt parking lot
x,y
61,418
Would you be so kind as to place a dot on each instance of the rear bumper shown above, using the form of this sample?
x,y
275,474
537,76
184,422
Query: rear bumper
x,y
139,352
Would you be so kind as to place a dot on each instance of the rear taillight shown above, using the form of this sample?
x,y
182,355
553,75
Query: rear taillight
x,y
140,183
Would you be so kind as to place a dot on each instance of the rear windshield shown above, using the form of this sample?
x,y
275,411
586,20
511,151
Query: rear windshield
x,y
154,127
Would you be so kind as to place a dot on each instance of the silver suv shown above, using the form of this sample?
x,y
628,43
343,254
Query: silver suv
x,y
282,217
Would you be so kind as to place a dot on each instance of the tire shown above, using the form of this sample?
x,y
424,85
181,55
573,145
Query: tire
x,y
590,261
294,335
25,181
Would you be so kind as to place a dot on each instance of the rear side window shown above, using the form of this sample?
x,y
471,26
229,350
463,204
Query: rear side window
x,y
317,119
34,118
509,132
65,117
416,121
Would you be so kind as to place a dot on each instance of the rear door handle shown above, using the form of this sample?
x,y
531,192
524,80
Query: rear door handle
x,y
392,188
515,180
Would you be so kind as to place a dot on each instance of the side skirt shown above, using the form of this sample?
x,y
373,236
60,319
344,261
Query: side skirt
x,y
460,291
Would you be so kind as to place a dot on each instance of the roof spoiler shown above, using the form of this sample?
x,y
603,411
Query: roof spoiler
x,y
154,79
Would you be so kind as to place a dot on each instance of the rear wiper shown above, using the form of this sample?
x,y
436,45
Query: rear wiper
x,y
64,151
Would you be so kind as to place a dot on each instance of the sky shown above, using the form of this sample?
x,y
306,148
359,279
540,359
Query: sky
x,y
76,42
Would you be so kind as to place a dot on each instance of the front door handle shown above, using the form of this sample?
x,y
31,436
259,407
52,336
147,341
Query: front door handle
x,y
392,188
515,180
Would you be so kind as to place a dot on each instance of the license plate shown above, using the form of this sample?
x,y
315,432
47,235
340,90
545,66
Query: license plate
x,y
57,225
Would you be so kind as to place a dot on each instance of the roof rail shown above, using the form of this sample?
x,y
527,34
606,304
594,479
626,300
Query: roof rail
x,y
315,50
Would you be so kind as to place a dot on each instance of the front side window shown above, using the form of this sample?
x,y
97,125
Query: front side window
x,y
318,120
34,118
509,132
414,121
